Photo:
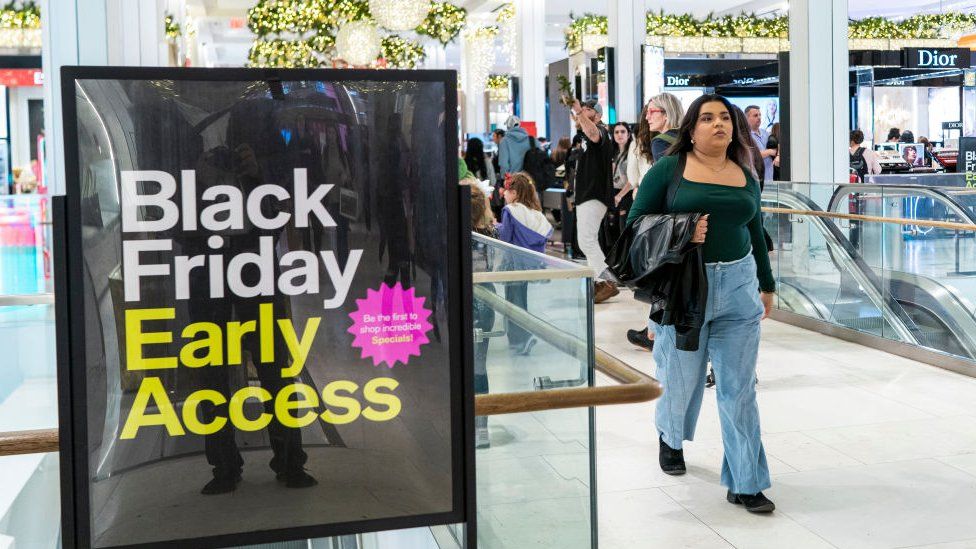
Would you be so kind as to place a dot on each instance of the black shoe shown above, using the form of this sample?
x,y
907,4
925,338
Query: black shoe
x,y
672,461
296,479
221,485
710,379
639,338
757,503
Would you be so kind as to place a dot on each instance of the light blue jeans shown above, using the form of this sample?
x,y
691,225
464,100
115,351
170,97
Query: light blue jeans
x,y
730,338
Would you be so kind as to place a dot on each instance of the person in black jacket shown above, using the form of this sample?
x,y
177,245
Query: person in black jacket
x,y
718,180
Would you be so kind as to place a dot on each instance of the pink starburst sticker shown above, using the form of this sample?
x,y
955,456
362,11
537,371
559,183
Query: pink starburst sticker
x,y
390,325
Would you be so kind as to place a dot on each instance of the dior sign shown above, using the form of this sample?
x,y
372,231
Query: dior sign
x,y
932,58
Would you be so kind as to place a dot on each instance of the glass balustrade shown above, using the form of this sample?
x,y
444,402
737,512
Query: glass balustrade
x,y
533,332
907,281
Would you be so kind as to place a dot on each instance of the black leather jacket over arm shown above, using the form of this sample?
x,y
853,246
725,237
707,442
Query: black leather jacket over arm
x,y
656,258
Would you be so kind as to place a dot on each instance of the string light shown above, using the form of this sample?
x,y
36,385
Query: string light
x,y
444,22
399,15
20,25
358,43
302,33
479,55
508,31
402,54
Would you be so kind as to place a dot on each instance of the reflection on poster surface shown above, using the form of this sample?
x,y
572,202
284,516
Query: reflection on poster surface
x,y
266,297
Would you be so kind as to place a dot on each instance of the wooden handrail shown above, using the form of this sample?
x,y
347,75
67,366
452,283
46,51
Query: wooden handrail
x,y
636,386
875,219
39,441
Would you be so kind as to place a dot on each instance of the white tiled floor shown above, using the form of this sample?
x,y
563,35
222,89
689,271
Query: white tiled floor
x,y
866,450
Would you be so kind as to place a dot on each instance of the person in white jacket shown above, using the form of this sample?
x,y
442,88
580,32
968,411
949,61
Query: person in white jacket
x,y
656,132
639,158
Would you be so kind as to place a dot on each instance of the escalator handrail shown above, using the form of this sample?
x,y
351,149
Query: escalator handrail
x,y
872,286
842,191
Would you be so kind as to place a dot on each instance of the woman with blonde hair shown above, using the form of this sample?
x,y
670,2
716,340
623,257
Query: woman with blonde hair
x,y
662,117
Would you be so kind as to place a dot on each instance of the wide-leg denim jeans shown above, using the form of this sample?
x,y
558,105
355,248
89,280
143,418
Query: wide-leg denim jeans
x,y
730,338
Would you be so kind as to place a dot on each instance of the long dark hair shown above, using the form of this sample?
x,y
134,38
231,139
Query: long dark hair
x,y
644,135
738,150
474,157
630,137
561,151
742,123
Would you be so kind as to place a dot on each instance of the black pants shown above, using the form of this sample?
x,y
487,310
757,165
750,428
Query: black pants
x,y
517,293
221,447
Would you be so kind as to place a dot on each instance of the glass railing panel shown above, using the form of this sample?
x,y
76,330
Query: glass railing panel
x,y
815,275
30,501
25,244
28,400
534,469
919,279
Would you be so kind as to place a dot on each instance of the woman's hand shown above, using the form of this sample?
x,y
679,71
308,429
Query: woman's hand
x,y
700,229
767,301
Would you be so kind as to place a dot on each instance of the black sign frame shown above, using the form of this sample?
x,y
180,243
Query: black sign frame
x,y
70,318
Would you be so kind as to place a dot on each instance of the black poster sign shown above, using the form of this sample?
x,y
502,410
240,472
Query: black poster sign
x,y
261,330
935,58
966,162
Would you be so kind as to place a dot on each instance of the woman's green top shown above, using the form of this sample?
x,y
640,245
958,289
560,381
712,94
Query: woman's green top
x,y
734,216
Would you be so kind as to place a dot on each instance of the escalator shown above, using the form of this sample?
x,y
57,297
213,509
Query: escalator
x,y
842,288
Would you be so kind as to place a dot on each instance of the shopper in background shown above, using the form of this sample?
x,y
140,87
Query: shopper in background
x,y
664,113
593,191
639,156
511,150
523,224
560,154
474,158
482,223
717,180
864,161
544,144
622,188
907,137
663,116
894,134
761,138
773,143
496,199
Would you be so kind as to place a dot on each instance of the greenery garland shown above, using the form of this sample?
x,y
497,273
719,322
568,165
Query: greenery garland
x,y
498,82
22,15
171,28
588,23
444,22
926,26
402,54
310,27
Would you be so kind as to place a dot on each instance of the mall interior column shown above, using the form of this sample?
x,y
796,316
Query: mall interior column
x,y
436,55
532,54
474,109
627,30
70,36
819,110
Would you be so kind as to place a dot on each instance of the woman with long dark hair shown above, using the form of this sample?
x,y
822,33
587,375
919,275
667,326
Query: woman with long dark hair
x,y
474,157
718,180
621,183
